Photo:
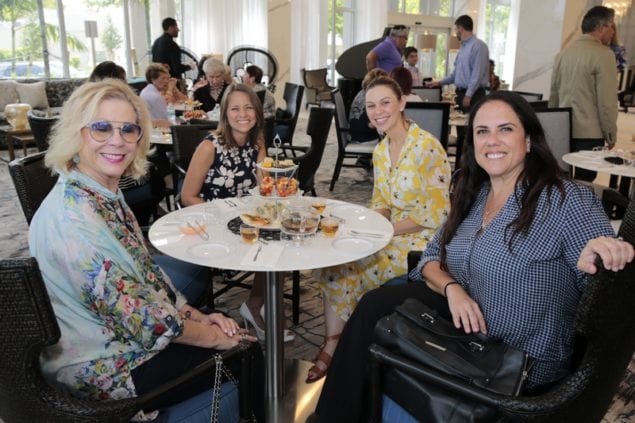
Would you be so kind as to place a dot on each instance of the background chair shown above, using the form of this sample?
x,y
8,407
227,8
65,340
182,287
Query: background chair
x,y
529,96
28,325
185,139
32,181
433,117
604,346
41,128
556,123
317,88
287,118
428,94
318,128
347,148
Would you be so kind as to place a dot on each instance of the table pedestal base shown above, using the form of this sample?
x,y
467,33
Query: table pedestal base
x,y
299,399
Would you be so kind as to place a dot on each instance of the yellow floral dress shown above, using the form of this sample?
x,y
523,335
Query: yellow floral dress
x,y
416,188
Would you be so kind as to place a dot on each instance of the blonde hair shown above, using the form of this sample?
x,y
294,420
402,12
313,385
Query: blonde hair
x,y
213,65
80,109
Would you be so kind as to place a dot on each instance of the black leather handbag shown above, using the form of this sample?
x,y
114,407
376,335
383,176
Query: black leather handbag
x,y
417,333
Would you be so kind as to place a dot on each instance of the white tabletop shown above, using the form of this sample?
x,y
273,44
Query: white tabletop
x,y
226,250
594,160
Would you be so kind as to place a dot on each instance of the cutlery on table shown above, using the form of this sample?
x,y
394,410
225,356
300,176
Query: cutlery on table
x,y
202,228
366,234
257,252
230,203
204,235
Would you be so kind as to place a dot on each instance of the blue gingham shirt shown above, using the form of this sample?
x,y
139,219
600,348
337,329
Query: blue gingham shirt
x,y
529,295
471,66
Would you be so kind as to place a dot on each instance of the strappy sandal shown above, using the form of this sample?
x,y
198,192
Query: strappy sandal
x,y
323,357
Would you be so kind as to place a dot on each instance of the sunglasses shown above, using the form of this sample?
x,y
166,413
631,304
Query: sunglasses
x,y
102,130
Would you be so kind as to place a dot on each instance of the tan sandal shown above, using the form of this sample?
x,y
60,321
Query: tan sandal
x,y
316,373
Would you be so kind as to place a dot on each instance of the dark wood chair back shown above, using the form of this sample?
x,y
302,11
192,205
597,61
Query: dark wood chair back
x,y
33,181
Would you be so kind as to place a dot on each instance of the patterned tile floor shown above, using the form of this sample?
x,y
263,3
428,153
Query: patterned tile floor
x,y
354,185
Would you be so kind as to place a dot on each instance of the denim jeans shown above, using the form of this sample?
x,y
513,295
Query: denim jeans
x,y
198,409
190,279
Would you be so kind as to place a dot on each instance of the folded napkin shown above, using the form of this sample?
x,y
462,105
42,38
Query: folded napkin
x,y
227,205
267,257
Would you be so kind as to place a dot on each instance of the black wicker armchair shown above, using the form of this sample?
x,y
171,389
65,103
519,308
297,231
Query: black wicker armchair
x,y
605,343
27,325
32,181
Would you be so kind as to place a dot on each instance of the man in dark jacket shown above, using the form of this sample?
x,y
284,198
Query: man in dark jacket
x,y
165,50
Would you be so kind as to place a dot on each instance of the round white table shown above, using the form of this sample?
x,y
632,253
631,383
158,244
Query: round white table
x,y
225,250
594,160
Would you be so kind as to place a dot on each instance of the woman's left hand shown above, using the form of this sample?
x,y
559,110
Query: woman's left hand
x,y
227,324
615,254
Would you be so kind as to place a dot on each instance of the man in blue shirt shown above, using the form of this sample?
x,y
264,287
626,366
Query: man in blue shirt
x,y
471,67
387,54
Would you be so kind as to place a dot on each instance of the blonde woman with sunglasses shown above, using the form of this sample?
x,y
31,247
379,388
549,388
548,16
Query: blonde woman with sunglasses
x,y
125,327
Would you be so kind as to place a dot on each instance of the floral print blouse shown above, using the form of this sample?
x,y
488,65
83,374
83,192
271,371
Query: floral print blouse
x,y
233,172
115,307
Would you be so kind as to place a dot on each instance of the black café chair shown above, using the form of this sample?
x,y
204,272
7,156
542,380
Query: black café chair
x,y
32,181
28,325
287,118
318,127
604,346
41,129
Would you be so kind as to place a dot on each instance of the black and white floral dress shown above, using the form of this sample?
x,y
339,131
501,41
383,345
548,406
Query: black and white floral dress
x,y
233,172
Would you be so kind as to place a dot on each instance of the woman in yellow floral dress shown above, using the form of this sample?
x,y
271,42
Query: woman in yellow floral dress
x,y
412,177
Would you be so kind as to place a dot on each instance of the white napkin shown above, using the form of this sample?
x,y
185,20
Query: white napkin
x,y
227,205
268,256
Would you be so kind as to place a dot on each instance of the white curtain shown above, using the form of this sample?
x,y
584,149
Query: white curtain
x,y
370,21
308,44
218,26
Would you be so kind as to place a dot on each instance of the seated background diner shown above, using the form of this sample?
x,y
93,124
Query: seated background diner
x,y
411,183
511,260
252,78
158,78
125,327
404,79
210,88
224,166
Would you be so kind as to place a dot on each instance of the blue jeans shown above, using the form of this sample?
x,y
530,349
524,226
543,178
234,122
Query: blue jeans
x,y
190,279
199,408
392,412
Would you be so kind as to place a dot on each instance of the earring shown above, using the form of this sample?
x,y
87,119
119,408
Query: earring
x,y
528,145
76,159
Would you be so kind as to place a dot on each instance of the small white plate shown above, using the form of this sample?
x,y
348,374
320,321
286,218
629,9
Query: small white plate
x,y
352,245
209,250
166,237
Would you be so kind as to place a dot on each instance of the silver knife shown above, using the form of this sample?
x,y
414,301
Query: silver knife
x,y
257,252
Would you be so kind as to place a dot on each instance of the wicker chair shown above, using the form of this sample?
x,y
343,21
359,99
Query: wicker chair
x,y
41,128
27,325
605,343
32,181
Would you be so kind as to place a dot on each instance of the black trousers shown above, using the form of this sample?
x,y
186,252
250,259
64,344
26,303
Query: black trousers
x,y
176,359
344,397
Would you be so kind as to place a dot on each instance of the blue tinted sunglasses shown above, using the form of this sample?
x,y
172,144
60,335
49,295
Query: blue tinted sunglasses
x,y
102,130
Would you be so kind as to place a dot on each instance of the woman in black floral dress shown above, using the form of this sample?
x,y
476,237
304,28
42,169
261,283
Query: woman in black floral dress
x,y
224,165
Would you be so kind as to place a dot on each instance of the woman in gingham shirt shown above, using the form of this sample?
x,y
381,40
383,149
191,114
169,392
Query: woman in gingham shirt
x,y
512,258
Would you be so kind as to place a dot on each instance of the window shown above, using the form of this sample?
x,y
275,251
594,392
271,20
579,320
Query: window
x,y
422,7
496,23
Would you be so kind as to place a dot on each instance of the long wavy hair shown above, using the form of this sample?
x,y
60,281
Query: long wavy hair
x,y
224,130
540,171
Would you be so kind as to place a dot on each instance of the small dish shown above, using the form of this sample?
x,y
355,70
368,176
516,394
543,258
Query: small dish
x,y
209,250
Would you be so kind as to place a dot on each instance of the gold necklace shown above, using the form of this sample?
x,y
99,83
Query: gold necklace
x,y
494,210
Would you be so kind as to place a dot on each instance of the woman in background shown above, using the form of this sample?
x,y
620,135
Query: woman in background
x,y
210,89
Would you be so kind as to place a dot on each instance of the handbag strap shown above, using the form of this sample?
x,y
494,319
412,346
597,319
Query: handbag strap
x,y
219,371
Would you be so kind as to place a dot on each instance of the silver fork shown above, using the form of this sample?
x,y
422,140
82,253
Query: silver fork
x,y
257,252
202,228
